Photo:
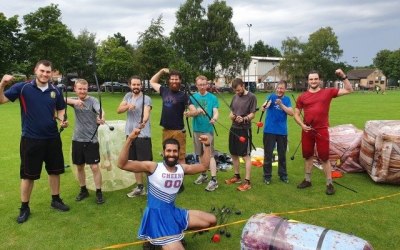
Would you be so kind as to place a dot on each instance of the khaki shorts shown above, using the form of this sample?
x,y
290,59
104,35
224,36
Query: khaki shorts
x,y
180,136
198,146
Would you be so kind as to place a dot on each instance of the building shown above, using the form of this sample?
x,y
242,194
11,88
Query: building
x,y
367,79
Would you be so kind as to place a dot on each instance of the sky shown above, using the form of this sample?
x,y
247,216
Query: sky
x,y
363,27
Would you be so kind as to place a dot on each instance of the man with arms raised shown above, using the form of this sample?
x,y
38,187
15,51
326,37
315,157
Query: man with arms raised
x,y
163,223
315,103
41,105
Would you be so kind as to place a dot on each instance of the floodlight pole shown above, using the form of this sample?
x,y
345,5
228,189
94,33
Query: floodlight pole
x,y
249,25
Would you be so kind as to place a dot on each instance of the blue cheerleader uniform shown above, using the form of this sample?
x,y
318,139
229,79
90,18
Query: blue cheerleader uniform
x,y
162,222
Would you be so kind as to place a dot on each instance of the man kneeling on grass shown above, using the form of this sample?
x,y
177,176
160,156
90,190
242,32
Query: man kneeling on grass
x,y
163,223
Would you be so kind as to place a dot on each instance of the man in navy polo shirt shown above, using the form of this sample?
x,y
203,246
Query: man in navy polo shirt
x,y
41,105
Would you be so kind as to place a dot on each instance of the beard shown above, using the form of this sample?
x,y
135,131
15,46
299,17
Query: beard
x,y
170,163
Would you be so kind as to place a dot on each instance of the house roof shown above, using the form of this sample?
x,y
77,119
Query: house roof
x,y
359,73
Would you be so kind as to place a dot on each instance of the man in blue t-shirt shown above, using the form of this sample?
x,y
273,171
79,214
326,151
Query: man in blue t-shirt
x,y
278,106
203,125
41,105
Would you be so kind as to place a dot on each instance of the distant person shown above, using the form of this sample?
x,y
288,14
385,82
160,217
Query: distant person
x,y
42,104
174,102
137,107
85,144
315,104
243,108
163,223
202,125
278,107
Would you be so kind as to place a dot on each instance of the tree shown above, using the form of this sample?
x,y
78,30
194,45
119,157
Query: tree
x,y
154,50
389,62
320,52
188,35
261,49
114,62
84,62
224,47
9,41
47,38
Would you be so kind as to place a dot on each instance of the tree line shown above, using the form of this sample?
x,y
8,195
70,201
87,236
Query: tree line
x,y
201,40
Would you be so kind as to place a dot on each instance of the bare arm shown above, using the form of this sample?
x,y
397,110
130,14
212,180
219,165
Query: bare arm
x,y
347,85
133,166
7,79
154,81
287,110
205,159
215,116
297,118
123,107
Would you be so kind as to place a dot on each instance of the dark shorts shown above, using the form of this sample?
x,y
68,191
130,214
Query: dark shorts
x,y
141,150
85,153
317,138
236,147
33,152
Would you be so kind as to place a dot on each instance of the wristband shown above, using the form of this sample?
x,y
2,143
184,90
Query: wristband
x,y
206,145
344,78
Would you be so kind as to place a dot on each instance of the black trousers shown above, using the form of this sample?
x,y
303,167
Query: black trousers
x,y
270,140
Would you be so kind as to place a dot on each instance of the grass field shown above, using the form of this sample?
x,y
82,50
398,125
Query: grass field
x,y
91,226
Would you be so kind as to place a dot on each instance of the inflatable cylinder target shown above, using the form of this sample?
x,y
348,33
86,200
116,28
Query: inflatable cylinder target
x,y
264,231
111,142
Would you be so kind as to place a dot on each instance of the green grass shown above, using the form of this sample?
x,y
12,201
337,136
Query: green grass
x,y
90,226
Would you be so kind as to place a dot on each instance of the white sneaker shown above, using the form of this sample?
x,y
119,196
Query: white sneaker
x,y
212,185
136,192
201,179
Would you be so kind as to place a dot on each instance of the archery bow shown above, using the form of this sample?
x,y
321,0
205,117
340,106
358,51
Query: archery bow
x,y
186,107
101,109
205,112
66,105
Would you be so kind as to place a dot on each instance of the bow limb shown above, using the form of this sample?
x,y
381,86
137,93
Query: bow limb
x,y
205,112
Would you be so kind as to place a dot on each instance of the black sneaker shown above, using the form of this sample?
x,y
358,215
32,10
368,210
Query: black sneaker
x,y
304,184
267,181
99,198
284,179
59,205
82,195
23,215
330,189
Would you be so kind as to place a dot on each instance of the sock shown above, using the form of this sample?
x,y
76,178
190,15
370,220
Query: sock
x,y
56,197
328,181
308,177
214,178
24,205
248,181
140,186
237,175
98,190
83,189
204,174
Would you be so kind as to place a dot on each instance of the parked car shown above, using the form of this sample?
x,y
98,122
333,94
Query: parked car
x,y
61,86
92,87
114,87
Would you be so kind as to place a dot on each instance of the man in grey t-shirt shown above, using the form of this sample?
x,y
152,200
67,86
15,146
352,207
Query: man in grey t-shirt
x,y
243,108
85,146
137,107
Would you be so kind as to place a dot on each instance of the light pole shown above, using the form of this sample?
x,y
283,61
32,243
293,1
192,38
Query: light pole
x,y
355,60
249,25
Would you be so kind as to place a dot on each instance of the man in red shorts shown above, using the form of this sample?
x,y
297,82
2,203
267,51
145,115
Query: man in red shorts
x,y
315,103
